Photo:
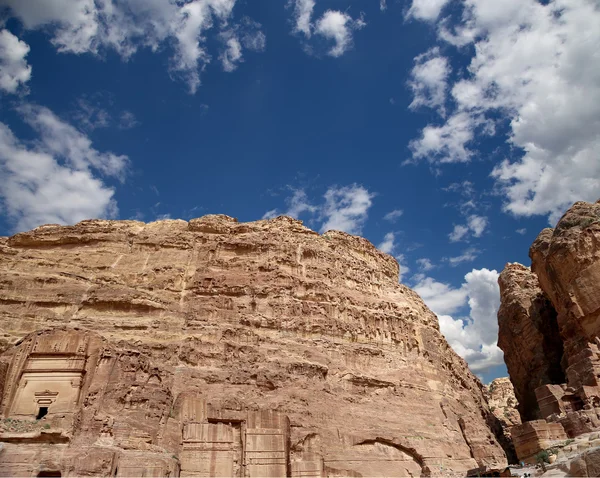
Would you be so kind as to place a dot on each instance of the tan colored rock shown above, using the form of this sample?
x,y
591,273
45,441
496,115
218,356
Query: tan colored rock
x,y
222,348
554,350
528,336
503,403
567,263
534,436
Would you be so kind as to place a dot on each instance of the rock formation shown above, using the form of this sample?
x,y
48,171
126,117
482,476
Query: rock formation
x,y
218,348
501,399
528,336
549,323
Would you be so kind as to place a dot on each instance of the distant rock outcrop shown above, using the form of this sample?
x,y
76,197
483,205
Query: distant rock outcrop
x,y
549,328
218,348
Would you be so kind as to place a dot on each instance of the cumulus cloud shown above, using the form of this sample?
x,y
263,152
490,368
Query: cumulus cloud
x,y
303,10
342,208
428,81
14,70
346,208
428,10
393,216
440,297
474,336
338,26
232,54
475,226
57,178
333,25
458,233
535,67
89,26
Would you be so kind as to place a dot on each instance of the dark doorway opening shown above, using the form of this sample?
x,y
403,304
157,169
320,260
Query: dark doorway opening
x,y
52,473
42,412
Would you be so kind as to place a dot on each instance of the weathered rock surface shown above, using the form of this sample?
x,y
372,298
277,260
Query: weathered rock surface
x,y
567,263
217,348
528,336
501,398
552,346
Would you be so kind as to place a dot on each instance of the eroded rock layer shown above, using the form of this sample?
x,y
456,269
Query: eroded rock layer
x,y
550,328
218,348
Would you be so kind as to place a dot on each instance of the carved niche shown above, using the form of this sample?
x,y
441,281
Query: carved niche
x,y
46,375
219,443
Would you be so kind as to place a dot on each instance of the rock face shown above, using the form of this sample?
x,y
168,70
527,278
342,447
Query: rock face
x,y
218,348
528,336
501,399
550,323
503,403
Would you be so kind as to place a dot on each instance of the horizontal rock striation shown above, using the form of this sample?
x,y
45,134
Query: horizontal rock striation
x,y
201,339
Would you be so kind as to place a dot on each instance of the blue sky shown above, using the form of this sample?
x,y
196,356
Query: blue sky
x,y
447,132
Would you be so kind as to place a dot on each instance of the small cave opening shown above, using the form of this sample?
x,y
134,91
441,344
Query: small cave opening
x,y
42,412
48,473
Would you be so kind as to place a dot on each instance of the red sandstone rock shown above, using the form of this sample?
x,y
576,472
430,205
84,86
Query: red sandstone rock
x,y
223,348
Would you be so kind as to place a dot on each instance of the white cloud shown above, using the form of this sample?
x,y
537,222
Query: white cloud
x,y
440,297
382,5
404,269
458,233
474,337
298,204
89,26
56,178
522,231
303,10
346,208
428,81
449,143
63,140
428,10
127,120
388,244
338,26
14,70
536,67
270,214
468,255
476,225
232,54
393,216
425,264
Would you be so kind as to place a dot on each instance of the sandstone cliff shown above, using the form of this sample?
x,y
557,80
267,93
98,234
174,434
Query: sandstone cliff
x,y
549,324
501,398
216,348
528,336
